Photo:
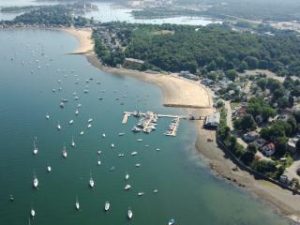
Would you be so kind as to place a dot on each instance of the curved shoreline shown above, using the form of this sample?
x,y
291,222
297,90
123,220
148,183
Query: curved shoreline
x,y
282,201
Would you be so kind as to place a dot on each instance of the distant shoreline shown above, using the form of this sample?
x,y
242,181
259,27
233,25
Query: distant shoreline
x,y
181,91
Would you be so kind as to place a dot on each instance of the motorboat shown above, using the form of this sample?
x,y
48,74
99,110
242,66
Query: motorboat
x,y
139,140
62,105
81,133
103,135
129,214
99,152
141,193
90,120
120,155
138,165
106,206
64,152
71,122
98,162
155,191
127,176
134,153
112,145
121,134
76,112
127,187
47,116
89,125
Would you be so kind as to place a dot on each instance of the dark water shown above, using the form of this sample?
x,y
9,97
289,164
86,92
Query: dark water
x,y
31,64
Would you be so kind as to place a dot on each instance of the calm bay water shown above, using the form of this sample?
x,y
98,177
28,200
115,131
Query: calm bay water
x,y
31,63
108,12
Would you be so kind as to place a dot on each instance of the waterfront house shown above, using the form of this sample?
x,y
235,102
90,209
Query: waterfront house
x,y
268,149
188,75
212,121
292,144
250,136
133,63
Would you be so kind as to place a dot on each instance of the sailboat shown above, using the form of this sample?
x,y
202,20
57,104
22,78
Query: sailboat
x,y
77,205
129,214
49,168
35,148
32,213
91,182
35,182
73,143
64,152
171,222
58,126
107,206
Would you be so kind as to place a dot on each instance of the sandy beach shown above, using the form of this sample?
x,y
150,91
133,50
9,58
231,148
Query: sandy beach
x,y
179,92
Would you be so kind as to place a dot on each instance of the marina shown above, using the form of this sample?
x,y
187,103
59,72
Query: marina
x,y
148,122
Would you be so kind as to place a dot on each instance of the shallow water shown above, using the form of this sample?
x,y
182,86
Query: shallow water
x,y
31,63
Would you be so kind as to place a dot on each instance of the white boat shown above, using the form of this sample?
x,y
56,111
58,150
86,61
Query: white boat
x,y
91,182
35,182
171,222
127,176
32,213
121,134
158,149
76,112
47,116
71,122
121,155
49,169
77,205
127,187
90,120
73,143
79,105
137,165
82,133
99,152
89,125
64,152
129,214
58,126
98,162
35,148
107,206
141,193
112,145
62,105
139,140
103,135
155,191
134,153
